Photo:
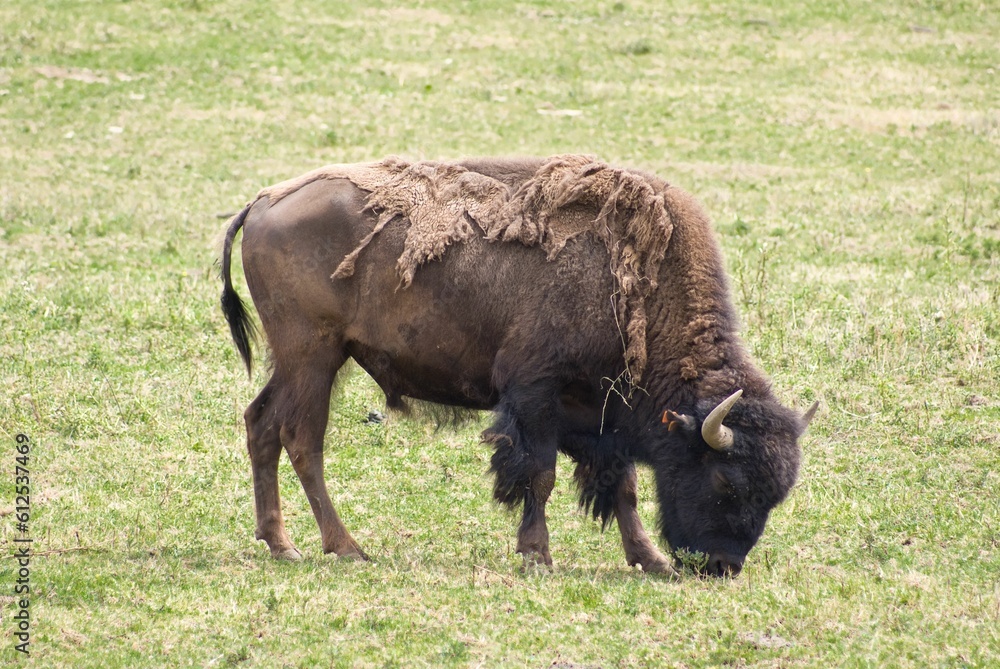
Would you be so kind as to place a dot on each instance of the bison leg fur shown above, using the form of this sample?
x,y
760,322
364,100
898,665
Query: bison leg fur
x,y
639,549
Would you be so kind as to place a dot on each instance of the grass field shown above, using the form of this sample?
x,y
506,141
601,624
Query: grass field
x,y
848,152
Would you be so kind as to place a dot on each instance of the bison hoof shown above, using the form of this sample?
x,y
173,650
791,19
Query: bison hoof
x,y
357,555
290,554
652,563
348,551
661,567
536,560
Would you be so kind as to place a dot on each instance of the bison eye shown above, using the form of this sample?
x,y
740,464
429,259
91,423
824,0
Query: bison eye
x,y
721,484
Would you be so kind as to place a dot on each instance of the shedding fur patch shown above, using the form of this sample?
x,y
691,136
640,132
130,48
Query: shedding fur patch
x,y
623,208
569,195
439,202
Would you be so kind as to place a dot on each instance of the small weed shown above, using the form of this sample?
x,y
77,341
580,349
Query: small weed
x,y
691,561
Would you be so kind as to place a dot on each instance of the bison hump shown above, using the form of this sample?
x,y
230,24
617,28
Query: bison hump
x,y
443,203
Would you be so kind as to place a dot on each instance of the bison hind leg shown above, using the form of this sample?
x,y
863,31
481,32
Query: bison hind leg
x,y
264,448
292,412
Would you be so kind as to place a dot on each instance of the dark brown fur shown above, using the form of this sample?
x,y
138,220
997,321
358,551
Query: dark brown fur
x,y
532,331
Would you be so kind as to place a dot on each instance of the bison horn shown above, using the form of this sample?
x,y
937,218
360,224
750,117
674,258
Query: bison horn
x,y
715,434
808,415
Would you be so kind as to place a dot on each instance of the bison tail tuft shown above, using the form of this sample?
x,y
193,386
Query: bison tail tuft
x,y
233,308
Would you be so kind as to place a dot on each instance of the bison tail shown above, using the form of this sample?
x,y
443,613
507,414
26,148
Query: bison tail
x,y
234,309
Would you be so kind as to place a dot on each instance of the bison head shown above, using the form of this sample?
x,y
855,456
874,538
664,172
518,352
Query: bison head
x,y
720,469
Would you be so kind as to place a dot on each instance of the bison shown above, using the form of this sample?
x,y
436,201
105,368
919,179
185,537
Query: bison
x,y
586,305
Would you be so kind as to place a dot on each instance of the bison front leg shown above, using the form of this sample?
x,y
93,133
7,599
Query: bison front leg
x,y
639,549
533,534
524,463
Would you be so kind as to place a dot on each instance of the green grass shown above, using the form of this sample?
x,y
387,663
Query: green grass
x,y
848,152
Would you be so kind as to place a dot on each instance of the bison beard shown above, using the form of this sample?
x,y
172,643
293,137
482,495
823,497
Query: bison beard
x,y
579,345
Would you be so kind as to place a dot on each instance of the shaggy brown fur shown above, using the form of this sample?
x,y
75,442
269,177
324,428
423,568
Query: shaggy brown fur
x,y
568,195
557,203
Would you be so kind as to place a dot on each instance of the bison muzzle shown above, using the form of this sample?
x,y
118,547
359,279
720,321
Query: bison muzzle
x,y
585,305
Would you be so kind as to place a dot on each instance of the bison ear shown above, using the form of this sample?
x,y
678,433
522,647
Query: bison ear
x,y
808,415
678,420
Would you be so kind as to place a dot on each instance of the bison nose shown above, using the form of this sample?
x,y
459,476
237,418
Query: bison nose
x,y
724,564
